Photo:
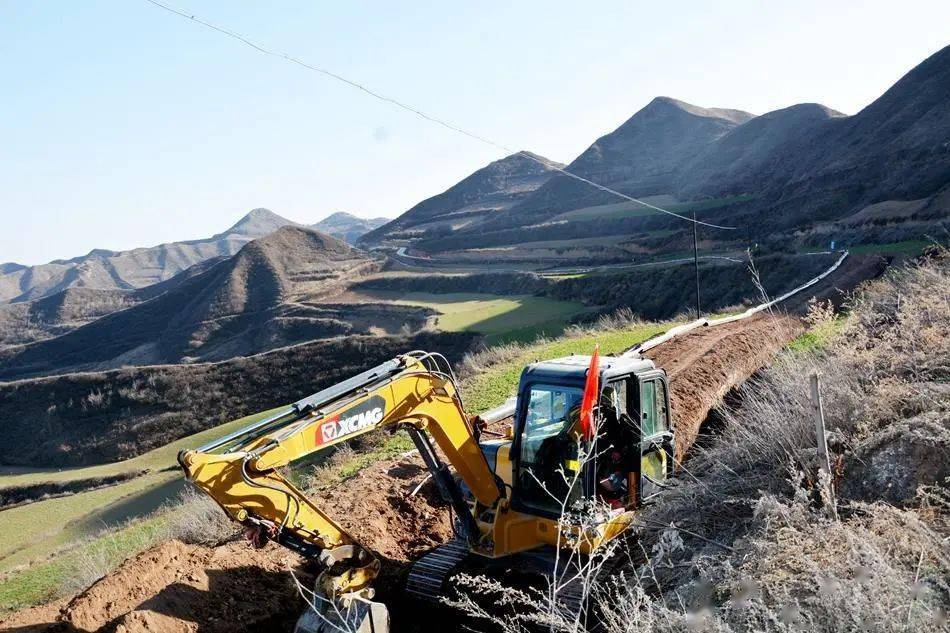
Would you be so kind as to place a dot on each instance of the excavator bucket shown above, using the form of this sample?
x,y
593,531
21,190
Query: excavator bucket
x,y
358,616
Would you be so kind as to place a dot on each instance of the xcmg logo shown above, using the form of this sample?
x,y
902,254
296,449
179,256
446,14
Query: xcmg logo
x,y
348,422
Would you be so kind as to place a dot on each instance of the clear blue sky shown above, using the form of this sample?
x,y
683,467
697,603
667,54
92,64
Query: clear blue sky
x,y
122,125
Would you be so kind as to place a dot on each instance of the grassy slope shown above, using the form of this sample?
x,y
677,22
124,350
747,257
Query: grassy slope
x,y
633,210
44,581
74,518
157,459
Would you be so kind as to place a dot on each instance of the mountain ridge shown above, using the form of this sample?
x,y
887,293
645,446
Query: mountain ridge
x,y
347,226
133,268
482,193
239,305
779,174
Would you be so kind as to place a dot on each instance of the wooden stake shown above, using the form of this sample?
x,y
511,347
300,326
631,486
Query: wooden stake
x,y
818,413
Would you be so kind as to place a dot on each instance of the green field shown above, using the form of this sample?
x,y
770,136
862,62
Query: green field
x,y
36,530
502,319
909,247
635,210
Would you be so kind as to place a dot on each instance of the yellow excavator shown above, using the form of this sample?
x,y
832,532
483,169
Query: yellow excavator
x,y
508,492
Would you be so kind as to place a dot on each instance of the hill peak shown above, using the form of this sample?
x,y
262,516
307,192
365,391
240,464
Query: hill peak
x,y
661,104
259,222
339,215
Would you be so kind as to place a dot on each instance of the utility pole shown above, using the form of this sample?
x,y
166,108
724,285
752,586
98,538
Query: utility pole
x,y
699,310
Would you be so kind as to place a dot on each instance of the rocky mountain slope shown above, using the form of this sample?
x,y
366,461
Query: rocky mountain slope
x,y
347,227
733,163
137,268
241,305
897,148
494,188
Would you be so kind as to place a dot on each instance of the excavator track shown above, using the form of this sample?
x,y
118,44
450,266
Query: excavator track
x,y
428,574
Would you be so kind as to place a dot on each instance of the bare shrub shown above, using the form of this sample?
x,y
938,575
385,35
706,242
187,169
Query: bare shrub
x,y
323,476
483,358
198,520
620,319
91,564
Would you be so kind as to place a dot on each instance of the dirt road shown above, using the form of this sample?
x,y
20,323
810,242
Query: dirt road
x,y
177,587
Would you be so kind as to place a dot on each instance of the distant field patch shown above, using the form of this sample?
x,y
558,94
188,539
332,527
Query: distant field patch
x,y
908,247
492,315
633,209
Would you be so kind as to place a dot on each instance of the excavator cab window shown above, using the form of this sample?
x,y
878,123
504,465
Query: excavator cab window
x,y
549,462
616,443
655,439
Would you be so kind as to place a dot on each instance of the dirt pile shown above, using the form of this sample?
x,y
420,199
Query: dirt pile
x,y
704,365
379,509
178,587
391,506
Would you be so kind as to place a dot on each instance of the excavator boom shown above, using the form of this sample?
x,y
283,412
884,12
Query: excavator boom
x,y
416,392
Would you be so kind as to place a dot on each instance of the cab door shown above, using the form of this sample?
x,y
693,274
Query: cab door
x,y
656,436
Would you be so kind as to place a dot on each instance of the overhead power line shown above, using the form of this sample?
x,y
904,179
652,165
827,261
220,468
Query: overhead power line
x,y
428,117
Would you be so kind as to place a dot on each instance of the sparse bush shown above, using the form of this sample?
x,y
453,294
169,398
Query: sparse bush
x,y
481,359
90,565
619,319
198,520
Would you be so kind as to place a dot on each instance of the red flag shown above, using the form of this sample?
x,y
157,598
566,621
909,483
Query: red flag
x,y
591,391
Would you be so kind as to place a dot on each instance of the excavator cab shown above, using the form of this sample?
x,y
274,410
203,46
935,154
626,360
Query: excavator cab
x,y
622,465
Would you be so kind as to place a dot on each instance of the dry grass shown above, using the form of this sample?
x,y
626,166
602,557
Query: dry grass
x,y
746,539
198,520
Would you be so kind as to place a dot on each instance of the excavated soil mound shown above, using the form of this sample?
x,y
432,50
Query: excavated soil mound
x,y
179,587
704,365
379,509
390,506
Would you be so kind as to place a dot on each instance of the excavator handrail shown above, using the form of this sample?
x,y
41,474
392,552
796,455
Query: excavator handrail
x,y
312,402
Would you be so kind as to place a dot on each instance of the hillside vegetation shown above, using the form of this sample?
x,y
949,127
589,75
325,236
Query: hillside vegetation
x,y
755,540
652,293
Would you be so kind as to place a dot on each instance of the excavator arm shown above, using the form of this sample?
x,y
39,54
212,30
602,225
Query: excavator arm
x,y
416,392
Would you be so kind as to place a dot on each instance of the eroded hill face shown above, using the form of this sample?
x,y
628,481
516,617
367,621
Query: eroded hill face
x,y
254,301
642,157
137,268
480,196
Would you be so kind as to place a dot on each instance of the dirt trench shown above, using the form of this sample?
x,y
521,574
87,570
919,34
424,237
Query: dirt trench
x,y
188,588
